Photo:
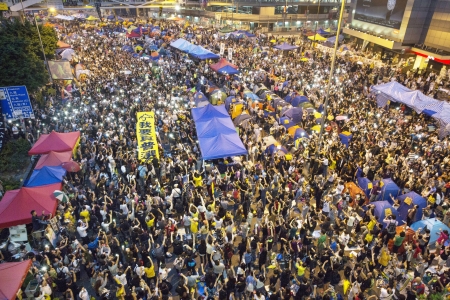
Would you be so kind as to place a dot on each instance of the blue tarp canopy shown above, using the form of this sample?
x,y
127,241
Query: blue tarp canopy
x,y
322,32
363,183
416,199
228,70
380,211
194,50
216,133
294,113
333,38
389,188
46,175
242,33
180,44
433,225
414,99
285,47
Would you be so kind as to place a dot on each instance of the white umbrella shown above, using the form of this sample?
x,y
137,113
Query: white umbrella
x,y
68,54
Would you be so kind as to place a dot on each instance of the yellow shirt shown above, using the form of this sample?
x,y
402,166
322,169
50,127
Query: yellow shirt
x,y
198,181
150,223
369,237
68,216
85,214
300,269
384,258
194,226
371,224
150,271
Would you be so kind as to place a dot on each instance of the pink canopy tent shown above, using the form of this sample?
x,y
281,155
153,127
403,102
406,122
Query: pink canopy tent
x,y
222,63
55,141
62,45
16,205
53,159
12,275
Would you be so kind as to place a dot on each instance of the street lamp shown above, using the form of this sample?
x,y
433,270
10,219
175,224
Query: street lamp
x,y
42,46
330,78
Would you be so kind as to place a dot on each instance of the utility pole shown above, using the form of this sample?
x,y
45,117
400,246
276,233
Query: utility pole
x,y
330,79
317,22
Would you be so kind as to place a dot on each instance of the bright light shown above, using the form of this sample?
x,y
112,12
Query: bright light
x,y
52,9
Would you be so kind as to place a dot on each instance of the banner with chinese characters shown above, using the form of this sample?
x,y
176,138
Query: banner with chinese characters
x,y
146,135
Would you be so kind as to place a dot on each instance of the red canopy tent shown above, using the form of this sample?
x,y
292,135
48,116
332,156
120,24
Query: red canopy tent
x,y
222,63
53,159
16,205
12,275
62,45
55,141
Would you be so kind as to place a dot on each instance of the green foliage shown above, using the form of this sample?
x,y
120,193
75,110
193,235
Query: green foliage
x,y
9,183
22,59
436,296
14,156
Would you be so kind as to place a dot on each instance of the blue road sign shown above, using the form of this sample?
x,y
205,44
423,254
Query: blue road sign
x,y
15,102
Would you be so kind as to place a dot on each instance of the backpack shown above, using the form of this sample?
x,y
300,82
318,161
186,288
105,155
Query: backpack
x,y
391,228
191,263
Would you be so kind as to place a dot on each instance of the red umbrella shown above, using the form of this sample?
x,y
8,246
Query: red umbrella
x,y
71,166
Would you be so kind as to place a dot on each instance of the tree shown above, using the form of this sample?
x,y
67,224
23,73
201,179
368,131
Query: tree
x,y
22,59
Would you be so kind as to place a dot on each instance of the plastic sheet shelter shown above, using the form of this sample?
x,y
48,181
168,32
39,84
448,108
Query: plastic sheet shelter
x,y
16,205
55,141
407,201
216,133
53,159
12,275
46,175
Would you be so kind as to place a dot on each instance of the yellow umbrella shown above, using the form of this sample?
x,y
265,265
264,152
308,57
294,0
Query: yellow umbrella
x,y
131,28
317,115
292,130
317,37
91,18
304,59
316,128
138,48
328,29
330,118
237,110
273,41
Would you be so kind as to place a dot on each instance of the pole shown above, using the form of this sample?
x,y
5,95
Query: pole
x,y
42,48
317,22
330,78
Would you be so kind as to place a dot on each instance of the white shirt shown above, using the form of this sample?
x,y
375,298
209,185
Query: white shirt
x,y
351,221
46,289
84,295
122,278
82,231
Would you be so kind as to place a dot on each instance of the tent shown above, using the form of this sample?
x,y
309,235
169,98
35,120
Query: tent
x,y
12,275
16,205
407,201
202,54
345,137
389,188
276,149
317,37
228,70
222,63
200,99
434,225
297,100
133,35
180,44
365,184
55,141
251,95
333,39
46,175
300,133
353,189
53,159
61,45
216,139
242,33
322,32
383,207
241,118
285,47
286,122
294,113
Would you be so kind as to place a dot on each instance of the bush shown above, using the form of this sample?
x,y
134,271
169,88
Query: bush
x,y
14,156
9,183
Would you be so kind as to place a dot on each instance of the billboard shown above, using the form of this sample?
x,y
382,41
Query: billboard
x,y
60,70
388,13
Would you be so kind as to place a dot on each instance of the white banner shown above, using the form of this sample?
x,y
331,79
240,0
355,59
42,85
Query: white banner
x,y
230,54
222,49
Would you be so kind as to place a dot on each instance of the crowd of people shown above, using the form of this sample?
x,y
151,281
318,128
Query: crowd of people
x,y
256,227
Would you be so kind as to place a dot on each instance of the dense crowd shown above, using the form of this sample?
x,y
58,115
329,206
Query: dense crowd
x,y
257,227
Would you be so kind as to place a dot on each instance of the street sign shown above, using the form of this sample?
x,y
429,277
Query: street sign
x,y
3,6
15,102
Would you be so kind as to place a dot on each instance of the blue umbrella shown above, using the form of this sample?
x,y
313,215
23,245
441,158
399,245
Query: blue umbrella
x,y
251,96
110,17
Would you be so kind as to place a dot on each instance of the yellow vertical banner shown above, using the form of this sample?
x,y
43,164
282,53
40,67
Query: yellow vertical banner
x,y
146,135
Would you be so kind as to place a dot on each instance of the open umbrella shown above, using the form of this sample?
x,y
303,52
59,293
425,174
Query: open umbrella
x,y
71,166
61,196
240,119
68,54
